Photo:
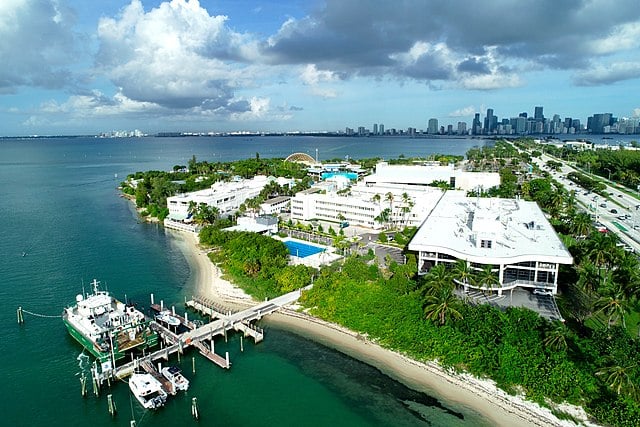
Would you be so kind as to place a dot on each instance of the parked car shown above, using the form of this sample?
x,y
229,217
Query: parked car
x,y
542,291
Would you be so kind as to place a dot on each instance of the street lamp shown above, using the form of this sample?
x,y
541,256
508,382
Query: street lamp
x,y
607,169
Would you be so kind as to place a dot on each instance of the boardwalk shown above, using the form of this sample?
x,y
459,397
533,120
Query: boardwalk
x,y
225,321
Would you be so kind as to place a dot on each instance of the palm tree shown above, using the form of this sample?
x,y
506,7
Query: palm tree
x,y
389,198
580,224
441,304
463,273
487,278
439,277
588,277
613,304
619,378
383,217
556,337
192,210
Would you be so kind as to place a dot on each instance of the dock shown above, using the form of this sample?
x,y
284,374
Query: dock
x,y
222,321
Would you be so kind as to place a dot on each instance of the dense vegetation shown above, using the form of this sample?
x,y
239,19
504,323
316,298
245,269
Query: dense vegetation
x,y
256,263
517,348
151,188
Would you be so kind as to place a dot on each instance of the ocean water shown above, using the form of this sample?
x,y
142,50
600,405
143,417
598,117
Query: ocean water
x,y
64,224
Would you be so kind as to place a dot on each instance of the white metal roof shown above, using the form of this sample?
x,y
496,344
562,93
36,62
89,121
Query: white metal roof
x,y
517,229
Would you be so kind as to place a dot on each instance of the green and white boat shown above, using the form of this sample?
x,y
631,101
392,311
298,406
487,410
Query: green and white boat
x,y
106,327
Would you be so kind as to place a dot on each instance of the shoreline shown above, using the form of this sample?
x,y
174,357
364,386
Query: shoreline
x,y
477,395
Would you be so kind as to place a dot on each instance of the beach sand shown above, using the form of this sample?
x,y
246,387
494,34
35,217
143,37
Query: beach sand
x,y
481,396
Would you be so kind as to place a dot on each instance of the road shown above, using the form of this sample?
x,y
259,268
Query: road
x,y
618,210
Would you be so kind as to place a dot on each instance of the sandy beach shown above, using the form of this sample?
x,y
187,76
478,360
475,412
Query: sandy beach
x,y
480,395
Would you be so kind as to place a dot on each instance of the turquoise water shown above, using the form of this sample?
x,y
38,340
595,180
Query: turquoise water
x,y
61,209
302,250
352,176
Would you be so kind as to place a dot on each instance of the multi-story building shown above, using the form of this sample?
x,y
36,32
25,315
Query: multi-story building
x,y
422,175
226,196
433,126
511,235
362,205
276,205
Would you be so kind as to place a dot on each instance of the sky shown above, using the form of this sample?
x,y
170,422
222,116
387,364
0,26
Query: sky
x,y
85,67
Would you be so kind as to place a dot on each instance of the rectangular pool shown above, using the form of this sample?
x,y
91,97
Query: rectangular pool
x,y
302,250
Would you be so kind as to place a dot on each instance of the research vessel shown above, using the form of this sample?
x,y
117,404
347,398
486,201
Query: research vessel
x,y
106,327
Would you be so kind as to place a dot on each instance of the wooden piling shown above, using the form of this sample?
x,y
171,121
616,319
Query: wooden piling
x,y
20,316
151,299
193,364
112,405
241,345
83,385
194,407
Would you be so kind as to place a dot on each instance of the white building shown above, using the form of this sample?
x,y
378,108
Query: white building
x,y
426,174
226,196
276,205
363,204
511,235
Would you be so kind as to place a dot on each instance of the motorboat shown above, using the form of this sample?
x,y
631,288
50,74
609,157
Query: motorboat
x,y
168,318
148,390
174,375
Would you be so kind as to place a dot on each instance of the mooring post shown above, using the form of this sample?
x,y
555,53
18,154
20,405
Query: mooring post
x,y
161,305
226,356
173,310
159,366
151,299
112,405
20,317
186,318
241,345
225,334
194,407
193,364
83,385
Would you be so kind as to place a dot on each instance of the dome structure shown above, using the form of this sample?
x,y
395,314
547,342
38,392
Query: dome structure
x,y
300,158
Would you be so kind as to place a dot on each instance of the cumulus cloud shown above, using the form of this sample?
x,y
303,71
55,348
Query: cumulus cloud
x,y
474,47
36,44
176,56
463,112
608,74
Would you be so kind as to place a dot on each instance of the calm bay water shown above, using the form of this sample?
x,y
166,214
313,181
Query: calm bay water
x,y
60,208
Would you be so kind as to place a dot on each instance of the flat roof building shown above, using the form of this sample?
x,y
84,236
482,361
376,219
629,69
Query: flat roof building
x,y
511,235
426,174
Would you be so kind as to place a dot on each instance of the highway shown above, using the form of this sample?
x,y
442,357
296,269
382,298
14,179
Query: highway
x,y
618,211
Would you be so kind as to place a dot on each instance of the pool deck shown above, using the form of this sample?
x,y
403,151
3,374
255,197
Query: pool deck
x,y
327,256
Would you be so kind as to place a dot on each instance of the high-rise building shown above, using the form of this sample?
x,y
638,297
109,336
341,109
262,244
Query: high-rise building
x,y
490,122
433,126
476,127
375,128
381,129
538,115
462,128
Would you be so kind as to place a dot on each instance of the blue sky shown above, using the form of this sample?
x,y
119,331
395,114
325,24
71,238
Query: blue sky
x,y
77,66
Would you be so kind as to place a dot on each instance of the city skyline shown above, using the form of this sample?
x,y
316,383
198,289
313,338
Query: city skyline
x,y
75,67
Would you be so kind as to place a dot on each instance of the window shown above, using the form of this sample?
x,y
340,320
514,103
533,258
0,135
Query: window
x,y
485,244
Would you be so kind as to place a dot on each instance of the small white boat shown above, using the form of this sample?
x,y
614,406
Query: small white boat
x,y
168,318
147,390
174,375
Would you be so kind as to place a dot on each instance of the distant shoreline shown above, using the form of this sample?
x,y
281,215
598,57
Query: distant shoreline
x,y
482,396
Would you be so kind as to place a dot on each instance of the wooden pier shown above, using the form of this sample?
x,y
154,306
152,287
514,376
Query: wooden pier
x,y
222,321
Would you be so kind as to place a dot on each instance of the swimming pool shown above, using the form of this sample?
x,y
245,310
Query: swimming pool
x,y
302,250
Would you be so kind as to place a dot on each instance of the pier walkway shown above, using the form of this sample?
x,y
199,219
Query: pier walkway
x,y
196,336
